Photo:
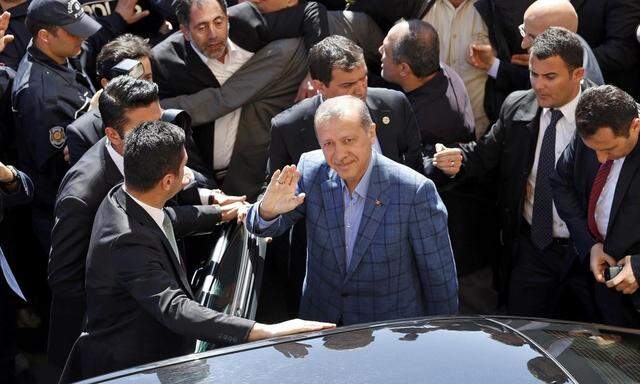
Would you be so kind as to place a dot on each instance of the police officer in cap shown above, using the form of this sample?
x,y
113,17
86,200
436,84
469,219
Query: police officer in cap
x,y
48,93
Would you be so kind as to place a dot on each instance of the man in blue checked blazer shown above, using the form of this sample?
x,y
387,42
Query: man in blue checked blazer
x,y
378,246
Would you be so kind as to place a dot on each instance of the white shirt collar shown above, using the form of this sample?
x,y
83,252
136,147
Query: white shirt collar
x,y
231,50
568,110
156,214
116,157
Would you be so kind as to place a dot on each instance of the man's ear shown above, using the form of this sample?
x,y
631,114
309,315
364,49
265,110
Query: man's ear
x,y
112,135
319,86
185,32
405,69
635,126
167,181
578,73
372,132
43,35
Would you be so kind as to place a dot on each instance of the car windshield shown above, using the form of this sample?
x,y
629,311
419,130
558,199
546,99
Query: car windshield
x,y
591,354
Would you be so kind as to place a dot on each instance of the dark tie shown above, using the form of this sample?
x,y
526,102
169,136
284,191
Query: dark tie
x,y
542,217
596,190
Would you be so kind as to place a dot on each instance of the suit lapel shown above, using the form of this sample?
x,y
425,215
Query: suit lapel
x,y
375,207
629,168
382,118
197,67
138,213
334,213
307,135
112,175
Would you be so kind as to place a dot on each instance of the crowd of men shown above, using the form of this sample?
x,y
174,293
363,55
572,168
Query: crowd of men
x,y
405,158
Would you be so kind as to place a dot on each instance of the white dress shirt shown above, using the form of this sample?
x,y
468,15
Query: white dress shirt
x,y
458,28
565,130
603,205
118,160
226,127
156,214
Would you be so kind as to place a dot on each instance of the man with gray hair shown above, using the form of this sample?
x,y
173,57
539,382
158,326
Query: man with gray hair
x,y
337,67
378,245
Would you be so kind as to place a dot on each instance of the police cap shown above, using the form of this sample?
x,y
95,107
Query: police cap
x,y
67,14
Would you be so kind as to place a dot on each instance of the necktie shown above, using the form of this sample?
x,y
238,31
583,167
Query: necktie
x,y
167,227
542,217
596,190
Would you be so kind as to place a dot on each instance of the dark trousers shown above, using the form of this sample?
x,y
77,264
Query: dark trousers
x,y
615,308
543,279
66,324
8,347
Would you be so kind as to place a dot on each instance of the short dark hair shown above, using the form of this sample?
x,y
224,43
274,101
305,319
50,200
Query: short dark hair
x,y
151,151
605,106
127,46
558,41
333,52
182,8
419,48
34,27
122,94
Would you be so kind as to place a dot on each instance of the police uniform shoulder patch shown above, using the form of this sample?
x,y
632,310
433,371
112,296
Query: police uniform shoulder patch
x,y
57,137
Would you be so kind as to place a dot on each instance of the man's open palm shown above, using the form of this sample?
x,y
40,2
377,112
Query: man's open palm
x,y
280,196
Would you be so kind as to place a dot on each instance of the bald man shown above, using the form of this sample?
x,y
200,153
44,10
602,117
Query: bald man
x,y
541,15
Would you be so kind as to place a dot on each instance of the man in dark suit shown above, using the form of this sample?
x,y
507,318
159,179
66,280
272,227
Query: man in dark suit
x,y
337,67
411,59
512,75
124,103
204,54
609,27
597,189
88,129
15,189
140,307
534,128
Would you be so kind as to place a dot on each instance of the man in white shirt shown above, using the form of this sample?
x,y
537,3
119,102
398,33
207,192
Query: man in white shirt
x,y
459,25
522,147
205,53
597,191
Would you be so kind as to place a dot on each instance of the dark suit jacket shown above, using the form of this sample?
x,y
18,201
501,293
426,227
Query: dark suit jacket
x,y
508,148
292,131
609,27
572,183
83,133
81,192
140,308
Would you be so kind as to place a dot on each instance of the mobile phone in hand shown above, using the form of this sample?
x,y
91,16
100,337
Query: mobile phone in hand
x,y
611,272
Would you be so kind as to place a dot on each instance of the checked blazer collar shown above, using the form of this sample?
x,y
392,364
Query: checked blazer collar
x,y
375,207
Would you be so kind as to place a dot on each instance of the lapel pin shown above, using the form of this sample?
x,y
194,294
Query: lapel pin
x,y
386,120
378,203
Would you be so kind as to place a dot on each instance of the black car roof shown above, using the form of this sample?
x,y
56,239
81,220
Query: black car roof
x,y
433,350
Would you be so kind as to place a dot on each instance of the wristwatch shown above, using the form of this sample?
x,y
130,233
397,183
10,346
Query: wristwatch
x,y
14,172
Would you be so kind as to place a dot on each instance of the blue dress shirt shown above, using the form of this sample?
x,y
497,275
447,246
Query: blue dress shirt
x,y
353,207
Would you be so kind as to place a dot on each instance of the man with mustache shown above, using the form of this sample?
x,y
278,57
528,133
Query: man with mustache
x,y
378,246
207,52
